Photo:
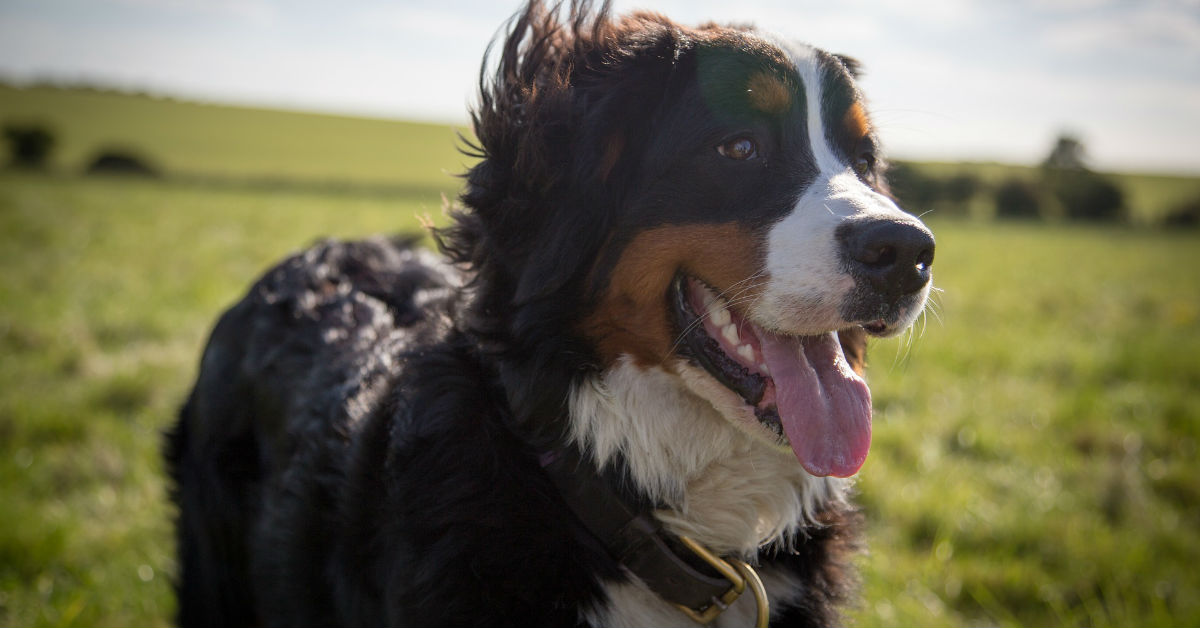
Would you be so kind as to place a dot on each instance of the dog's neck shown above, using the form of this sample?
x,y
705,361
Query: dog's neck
x,y
719,486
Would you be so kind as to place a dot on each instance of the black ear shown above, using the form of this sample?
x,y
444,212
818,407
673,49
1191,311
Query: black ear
x,y
852,65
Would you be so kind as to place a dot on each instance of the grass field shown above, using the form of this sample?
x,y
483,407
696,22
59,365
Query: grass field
x,y
1035,454
108,290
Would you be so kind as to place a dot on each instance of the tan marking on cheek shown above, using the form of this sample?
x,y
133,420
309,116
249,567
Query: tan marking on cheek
x,y
854,345
634,314
855,120
769,93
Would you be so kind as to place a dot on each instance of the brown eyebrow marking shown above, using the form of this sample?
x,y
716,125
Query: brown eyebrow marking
x,y
856,122
769,93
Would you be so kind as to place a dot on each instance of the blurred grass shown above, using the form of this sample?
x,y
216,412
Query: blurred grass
x,y
1035,450
1034,460
108,290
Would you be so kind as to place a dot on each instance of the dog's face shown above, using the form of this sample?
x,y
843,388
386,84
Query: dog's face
x,y
724,210
759,233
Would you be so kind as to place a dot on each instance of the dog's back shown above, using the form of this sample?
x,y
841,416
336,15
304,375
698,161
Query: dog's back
x,y
283,385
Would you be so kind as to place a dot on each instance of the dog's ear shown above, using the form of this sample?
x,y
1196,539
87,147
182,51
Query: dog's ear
x,y
522,126
615,67
854,345
852,65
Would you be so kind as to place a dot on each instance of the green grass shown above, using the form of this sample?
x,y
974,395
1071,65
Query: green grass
x,y
108,290
1035,450
1034,459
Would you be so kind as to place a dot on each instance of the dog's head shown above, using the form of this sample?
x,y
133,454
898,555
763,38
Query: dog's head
x,y
707,202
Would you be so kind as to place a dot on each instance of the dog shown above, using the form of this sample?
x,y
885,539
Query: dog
x,y
629,390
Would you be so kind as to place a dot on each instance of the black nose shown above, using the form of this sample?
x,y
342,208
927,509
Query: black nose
x,y
893,256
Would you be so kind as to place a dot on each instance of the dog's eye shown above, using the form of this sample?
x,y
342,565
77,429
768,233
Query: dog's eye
x,y
740,148
865,164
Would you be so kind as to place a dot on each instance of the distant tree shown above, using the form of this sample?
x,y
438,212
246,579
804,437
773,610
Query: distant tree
x,y
961,188
912,187
1084,194
921,192
121,161
1184,215
1068,154
29,145
1018,199
1090,196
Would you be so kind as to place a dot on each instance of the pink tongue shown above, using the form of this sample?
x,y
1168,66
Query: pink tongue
x,y
824,405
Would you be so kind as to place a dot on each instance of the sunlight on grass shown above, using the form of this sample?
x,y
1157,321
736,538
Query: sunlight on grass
x,y
1023,445
1034,452
109,290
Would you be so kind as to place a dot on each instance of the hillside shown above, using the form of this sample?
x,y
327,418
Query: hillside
x,y
193,139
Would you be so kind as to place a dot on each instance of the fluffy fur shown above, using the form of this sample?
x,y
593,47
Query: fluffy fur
x,y
362,444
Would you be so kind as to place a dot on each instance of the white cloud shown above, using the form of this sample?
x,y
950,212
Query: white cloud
x,y
443,21
259,11
954,109
1143,29
946,79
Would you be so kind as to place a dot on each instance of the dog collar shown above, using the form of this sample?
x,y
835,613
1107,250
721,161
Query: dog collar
x,y
683,572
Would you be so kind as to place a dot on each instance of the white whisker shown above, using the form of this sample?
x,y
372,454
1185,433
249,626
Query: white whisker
x,y
742,287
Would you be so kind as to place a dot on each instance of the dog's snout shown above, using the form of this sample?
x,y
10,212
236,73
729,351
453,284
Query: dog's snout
x,y
893,256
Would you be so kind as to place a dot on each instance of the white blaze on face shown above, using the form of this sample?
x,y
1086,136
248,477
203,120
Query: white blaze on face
x,y
808,283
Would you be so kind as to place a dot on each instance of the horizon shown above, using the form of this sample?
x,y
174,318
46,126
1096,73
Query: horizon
x,y
947,81
136,93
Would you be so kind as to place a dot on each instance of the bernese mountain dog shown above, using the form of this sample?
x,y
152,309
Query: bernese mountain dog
x,y
629,390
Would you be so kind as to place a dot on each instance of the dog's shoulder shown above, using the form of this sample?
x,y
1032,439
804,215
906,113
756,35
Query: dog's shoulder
x,y
318,330
462,503
387,441
371,283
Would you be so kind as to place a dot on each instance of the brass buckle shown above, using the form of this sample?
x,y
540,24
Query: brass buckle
x,y
736,572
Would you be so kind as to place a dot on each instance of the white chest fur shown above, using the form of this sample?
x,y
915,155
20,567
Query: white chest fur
x,y
725,489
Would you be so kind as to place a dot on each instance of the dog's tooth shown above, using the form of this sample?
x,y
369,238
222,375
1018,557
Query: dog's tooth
x,y
763,367
718,314
747,352
730,333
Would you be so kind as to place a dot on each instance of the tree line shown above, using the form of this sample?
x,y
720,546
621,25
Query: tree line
x,y
1062,187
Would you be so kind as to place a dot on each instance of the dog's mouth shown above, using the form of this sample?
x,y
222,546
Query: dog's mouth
x,y
801,389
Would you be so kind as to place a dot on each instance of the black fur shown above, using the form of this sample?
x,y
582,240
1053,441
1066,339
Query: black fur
x,y
361,446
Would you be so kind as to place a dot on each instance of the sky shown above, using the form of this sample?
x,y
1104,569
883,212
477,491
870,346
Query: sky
x,y
980,80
